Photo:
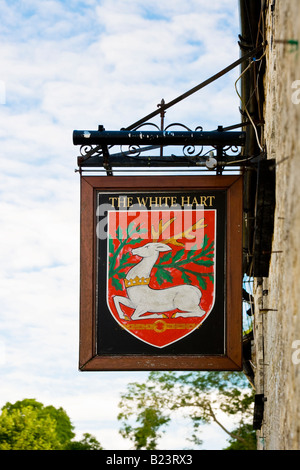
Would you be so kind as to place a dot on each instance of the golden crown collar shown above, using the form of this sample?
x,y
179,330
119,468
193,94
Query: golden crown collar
x,y
137,281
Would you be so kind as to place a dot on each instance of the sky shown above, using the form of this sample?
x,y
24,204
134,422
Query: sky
x,y
69,65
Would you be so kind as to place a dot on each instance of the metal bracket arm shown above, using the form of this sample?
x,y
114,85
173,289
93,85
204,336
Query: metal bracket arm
x,y
81,137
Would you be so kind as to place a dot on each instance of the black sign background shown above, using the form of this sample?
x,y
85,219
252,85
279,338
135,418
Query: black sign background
x,y
210,338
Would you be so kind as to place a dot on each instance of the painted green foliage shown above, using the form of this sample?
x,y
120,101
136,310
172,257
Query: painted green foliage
x,y
181,261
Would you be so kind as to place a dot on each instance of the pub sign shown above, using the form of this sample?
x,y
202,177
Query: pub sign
x,y
161,273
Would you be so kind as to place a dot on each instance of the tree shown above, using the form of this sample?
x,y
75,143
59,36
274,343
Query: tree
x,y
146,408
26,426
249,439
29,425
88,442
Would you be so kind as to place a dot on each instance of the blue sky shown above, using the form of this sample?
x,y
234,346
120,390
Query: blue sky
x,y
69,65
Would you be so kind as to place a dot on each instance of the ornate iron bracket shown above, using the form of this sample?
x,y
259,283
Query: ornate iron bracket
x,y
96,146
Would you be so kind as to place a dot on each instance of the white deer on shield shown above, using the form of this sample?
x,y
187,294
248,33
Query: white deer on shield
x,y
143,299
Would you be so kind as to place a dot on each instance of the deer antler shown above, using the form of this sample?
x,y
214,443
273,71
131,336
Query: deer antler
x,y
174,240
161,228
186,234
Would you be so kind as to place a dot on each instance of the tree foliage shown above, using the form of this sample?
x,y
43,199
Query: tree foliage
x,y
88,442
29,425
147,408
247,439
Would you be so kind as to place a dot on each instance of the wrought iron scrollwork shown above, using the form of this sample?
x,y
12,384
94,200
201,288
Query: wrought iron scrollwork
x,y
135,150
86,150
228,153
191,152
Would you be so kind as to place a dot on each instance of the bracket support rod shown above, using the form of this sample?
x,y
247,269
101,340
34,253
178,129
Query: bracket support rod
x,y
165,106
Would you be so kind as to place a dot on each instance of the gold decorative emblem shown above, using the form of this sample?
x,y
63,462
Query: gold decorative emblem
x,y
137,281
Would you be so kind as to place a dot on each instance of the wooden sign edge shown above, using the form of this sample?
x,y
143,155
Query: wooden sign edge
x,y
88,360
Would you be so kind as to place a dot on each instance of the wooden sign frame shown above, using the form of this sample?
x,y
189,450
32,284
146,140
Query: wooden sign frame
x,y
229,189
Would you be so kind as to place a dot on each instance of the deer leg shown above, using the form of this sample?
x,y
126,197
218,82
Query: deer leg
x,y
139,311
187,301
118,301
197,312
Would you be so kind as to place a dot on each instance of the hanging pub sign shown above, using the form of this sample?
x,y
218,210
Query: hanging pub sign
x,y
161,273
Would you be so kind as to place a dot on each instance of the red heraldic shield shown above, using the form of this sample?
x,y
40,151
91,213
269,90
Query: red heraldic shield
x,y
161,269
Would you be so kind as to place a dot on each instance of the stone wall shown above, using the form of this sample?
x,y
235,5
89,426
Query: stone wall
x,y
277,298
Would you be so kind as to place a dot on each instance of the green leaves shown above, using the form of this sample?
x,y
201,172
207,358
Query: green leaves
x,y
147,407
116,245
29,425
183,261
116,283
163,275
186,262
141,416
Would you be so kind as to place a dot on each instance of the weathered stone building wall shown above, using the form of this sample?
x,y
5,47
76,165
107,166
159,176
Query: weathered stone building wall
x,y
277,298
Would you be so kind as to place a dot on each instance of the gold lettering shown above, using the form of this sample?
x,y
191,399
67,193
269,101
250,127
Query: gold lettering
x,y
185,200
122,201
142,201
153,201
125,202
210,202
113,200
